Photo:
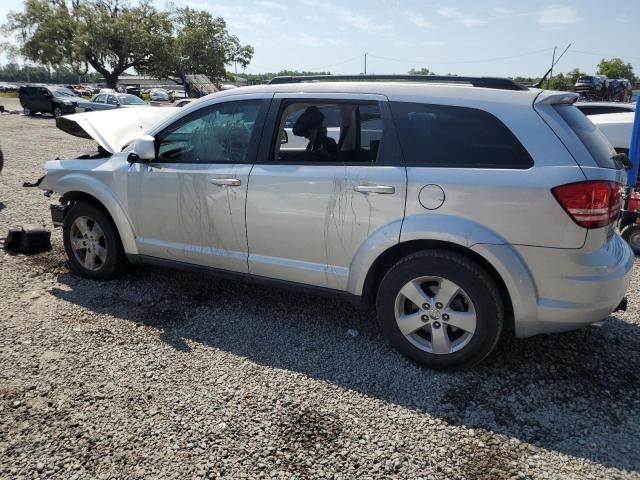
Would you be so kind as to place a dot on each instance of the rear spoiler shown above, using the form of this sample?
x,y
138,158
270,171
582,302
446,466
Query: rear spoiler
x,y
547,97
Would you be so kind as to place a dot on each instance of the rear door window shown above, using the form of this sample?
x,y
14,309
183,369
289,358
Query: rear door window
x,y
592,138
456,137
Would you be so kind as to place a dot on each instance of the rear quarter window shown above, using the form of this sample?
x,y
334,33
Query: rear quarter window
x,y
448,136
592,138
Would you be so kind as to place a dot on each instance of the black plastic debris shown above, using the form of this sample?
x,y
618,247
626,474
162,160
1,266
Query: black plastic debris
x,y
28,239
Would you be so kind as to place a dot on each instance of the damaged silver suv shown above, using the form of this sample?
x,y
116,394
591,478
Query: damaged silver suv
x,y
461,207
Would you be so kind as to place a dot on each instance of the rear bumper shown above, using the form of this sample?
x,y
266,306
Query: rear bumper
x,y
575,287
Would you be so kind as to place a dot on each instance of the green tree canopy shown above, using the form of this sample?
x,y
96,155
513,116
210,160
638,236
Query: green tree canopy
x,y
201,45
421,71
112,36
616,68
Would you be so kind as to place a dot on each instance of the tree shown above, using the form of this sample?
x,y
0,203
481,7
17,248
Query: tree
x,y
421,71
111,36
202,45
574,75
616,68
559,82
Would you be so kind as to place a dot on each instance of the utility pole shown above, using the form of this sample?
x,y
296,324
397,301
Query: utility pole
x,y
365,62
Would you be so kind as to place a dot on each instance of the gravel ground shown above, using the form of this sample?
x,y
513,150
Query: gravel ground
x,y
159,375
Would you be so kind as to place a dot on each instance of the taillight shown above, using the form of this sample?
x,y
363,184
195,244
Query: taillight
x,y
591,204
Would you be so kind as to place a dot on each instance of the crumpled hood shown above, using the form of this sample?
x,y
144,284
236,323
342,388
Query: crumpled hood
x,y
113,129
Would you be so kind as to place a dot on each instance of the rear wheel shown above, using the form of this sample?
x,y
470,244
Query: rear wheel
x,y
632,235
92,243
440,309
28,112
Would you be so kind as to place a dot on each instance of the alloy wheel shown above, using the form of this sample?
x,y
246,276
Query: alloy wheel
x,y
88,243
435,314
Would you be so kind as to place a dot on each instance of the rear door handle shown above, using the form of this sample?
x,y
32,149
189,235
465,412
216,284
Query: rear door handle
x,y
384,189
230,182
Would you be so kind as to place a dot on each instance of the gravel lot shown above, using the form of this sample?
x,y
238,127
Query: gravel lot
x,y
165,375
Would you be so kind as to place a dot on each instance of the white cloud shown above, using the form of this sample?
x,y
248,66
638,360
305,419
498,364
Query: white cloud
x,y
462,18
502,11
417,19
271,5
361,22
312,41
349,17
557,15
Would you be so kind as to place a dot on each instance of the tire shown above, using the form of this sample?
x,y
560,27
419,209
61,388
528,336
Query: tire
x,y
107,259
476,306
28,112
631,234
57,111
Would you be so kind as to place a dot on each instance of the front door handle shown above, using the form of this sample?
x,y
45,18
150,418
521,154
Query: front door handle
x,y
230,182
384,189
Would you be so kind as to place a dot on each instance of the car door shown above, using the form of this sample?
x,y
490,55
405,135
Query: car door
x,y
43,99
112,102
188,205
309,215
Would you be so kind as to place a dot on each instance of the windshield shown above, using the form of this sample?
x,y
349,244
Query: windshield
x,y
130,100
62,92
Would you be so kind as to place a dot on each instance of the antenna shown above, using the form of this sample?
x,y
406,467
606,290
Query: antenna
x,y
544,77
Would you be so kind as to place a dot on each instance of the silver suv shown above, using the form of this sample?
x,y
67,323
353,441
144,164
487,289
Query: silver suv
x,y
460,207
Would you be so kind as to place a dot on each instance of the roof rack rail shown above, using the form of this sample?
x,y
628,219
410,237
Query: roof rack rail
x,y
485,82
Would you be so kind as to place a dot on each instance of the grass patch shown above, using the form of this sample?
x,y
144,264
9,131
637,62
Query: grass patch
x,y
8,94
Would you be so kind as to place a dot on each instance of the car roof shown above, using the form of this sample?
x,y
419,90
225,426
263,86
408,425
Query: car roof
x,y
393,90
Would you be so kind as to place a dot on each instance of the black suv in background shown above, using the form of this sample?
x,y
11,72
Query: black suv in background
x,y
48,99
591,87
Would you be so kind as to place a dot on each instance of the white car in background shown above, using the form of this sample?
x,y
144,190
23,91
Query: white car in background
x,y
617,127
159,95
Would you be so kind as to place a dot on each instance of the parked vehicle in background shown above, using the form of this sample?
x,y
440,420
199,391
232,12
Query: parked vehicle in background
x,y
133,91
49,99
618,90
630,220
106,90
591,87
8,87
159,95
617,127
600,108
422,206
107,101
183,102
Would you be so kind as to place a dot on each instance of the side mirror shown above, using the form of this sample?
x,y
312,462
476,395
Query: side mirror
x,y
284,138
144,150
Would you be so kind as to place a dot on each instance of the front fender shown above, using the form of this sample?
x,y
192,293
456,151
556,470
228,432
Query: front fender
x,y
77,182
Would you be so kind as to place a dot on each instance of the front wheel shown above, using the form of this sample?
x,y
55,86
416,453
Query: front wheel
x,y
92,243
57,111
632,235
440,309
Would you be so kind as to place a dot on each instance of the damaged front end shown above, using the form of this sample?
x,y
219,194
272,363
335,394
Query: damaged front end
x,y
90,174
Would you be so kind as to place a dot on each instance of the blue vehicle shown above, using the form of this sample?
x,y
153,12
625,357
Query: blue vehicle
x,y
108,101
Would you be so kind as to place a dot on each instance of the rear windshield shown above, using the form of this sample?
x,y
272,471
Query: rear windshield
x,y
592,138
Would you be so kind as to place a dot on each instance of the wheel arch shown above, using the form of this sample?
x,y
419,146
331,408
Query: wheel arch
x,y
400,250
74,190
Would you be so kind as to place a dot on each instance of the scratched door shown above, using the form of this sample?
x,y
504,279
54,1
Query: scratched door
x,y
307,218
190,203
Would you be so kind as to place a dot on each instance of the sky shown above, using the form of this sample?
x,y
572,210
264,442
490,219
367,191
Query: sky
x,y
465,37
